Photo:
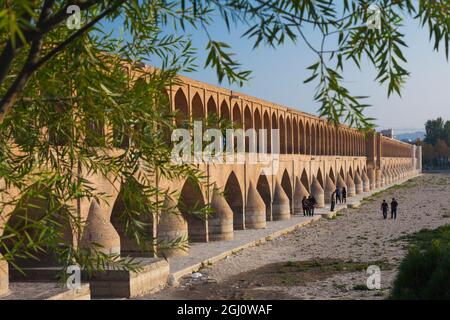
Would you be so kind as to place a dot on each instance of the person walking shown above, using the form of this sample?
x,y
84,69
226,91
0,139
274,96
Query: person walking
x,y
338,195
344,195
312,204
384,209
394,205
305,206
333,200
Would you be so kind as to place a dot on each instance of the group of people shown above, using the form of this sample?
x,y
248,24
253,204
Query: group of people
x,y
308,204
385,209
338,196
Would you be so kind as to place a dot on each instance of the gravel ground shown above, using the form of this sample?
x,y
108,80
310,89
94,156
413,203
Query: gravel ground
x,y
327,259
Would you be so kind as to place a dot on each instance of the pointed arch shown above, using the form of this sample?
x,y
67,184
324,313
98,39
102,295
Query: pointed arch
x,y
286,184
320,178
289,148
181,108
282,135
234,196
273,136
248,124
263,188
268,135
237,116
258,126
303,144
191,204
296,142
308,139
225,111
313,139
305,180
197,108
332,176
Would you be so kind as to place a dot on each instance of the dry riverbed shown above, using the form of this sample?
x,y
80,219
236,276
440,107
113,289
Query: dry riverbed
x,y
327,259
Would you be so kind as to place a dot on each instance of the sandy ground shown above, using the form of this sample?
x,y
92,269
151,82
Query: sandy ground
x,y
328,259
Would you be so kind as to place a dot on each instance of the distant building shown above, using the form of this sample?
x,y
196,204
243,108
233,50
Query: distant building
x,y
388,133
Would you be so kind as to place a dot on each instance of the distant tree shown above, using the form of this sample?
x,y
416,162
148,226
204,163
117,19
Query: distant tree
x,y
447,132
428,153
434,130
442,152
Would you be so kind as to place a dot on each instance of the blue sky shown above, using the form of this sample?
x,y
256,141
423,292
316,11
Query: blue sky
x,y
278,76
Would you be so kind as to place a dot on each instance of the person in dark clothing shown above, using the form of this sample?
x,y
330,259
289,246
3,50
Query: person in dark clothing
x,y
333,200
312,204
344,195
338,195
394,205
305,206
384,208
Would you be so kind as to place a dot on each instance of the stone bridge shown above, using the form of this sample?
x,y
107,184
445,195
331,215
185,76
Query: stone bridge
x,y
314,157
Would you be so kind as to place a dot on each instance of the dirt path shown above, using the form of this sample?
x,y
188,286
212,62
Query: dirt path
x,y
328,259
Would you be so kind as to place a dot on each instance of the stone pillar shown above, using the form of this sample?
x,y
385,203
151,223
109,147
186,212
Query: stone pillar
x,y
100,231
299,192
372,178
351,192
220,223
255,209
330,187
172,226
366,182
378,179
4,277
318,193
359,188
382,179
280,204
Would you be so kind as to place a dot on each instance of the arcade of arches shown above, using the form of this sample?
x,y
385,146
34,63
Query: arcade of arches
x,y
315,156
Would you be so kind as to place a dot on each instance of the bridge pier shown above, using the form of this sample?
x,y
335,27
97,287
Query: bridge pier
x,y
255,209
318,193
220,224
358,184
366,182
351,192
330,187
280,207
172,226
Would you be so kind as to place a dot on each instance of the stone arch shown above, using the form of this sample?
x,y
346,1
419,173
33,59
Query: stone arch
x,y
282,135
124,205
303,144
274,127
211,109
289,148
31,207
320,178
237,117
332,176
266,123
225,111
296,142
350,172
234,196
313,139
258,126
191,204
341,172
181,108
308,139
197,108
263,188
305,180
248,124
286,184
